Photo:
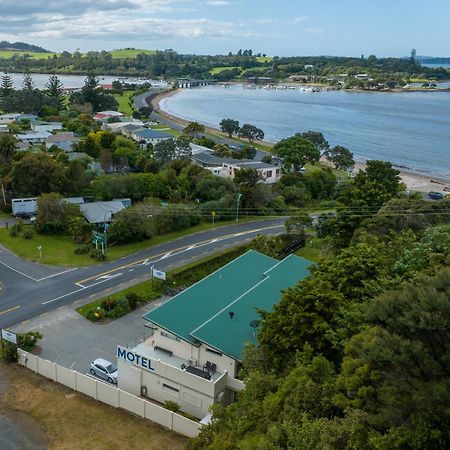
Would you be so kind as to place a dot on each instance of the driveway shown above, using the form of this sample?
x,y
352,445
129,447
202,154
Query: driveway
x,y
74,342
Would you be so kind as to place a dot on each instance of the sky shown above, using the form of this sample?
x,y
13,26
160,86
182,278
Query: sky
x,y
281,27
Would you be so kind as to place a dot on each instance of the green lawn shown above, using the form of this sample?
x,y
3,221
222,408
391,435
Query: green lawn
x,y
8,54
124,102
130,53
264,59
217,70
58,250
314,250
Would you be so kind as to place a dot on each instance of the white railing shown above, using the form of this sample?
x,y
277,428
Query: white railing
x,y
109,394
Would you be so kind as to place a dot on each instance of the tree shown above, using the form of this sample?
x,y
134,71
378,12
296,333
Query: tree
x,y
53,214
183,148
296,151
91,91
194,129
341,157
28,85
229,126
297,224
146,111
36,174
222,150
397,371
6,89
251,133
165,151
54,90
8,145
318,139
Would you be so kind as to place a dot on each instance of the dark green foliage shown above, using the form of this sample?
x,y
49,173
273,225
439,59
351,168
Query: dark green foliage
x,y
296,151
171,406
15,229
25,341
97,254
83,250
27,234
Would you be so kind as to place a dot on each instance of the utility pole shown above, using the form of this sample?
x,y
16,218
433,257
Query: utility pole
x,y
239,196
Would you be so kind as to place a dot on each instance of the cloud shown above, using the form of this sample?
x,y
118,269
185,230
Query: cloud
x,y
218,2
313,30
109,20
299,19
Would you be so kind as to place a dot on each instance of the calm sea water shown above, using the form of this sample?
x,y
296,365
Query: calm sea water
x,y
409,129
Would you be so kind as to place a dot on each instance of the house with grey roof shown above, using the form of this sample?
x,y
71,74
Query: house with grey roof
x,y
148,136
103,212
64,141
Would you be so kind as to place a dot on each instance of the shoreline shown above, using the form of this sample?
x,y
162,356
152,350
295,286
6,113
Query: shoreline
x,y
414,181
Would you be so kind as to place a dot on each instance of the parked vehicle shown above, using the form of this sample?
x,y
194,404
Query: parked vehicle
x,y
447,188
104,369
436,195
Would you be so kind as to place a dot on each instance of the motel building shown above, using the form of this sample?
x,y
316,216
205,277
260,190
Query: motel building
x,y
198,337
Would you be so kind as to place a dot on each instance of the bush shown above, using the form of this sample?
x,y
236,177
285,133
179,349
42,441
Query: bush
x,y
96,314
133,299
27,234
122,307
15,229
108,304
83,250
25,341
172,406
97,254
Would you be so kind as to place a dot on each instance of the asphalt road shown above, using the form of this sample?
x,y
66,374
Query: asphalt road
x,y
28,289
142,101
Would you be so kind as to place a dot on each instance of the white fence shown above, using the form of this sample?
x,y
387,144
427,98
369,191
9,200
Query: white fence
x,y
109,394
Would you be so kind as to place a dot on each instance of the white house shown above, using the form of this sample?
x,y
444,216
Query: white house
x,y
148,136
268,173
197,340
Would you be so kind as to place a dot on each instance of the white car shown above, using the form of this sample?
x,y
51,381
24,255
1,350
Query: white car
x,y
104,369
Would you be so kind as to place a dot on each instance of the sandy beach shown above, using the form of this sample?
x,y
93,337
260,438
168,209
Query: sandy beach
x,y
413,181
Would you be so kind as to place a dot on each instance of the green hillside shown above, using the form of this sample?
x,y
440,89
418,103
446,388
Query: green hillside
x,y
129,53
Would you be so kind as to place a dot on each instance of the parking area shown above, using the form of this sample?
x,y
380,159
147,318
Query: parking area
x,y
74,342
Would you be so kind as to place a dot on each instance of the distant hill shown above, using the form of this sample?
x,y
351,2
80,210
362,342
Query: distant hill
x,y
22,47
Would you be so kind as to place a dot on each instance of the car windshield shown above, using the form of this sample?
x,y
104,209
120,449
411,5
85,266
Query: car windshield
x,y
111,368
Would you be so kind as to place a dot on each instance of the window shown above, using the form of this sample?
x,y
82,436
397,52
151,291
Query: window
x,y
171,390
269,174
170,336
210,350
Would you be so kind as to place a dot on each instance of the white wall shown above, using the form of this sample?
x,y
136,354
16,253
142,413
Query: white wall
x,y
110,394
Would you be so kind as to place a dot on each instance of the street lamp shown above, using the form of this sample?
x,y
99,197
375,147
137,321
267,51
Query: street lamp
x,y
239,196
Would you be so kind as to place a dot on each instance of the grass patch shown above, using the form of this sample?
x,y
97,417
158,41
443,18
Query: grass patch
x,y
70,420
59,250
217,70
124,101
9,54
315,250
264,59
130,53
182,277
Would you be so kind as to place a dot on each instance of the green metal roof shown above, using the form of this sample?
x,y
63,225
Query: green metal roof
x,y
201,312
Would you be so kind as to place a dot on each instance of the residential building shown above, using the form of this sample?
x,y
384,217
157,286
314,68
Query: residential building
x,y
103,212
49,127
149,136
105,115
268,173
197,341
34,137
64,141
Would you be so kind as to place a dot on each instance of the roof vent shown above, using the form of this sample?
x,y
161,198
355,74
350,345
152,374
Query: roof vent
x,y
231,315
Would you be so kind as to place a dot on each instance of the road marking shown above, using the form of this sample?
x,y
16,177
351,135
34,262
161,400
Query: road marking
x,y
109,277
174,252
25,321
18,271
43,314
9,310
36,279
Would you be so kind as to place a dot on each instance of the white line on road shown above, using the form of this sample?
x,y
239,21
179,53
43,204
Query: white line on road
x,y
166,255
36,279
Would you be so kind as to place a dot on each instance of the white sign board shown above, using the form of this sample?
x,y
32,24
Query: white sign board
x,y
133,358
8,336
159,274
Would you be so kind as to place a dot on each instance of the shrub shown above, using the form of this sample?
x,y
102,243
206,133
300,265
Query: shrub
x,y
96,314
25,341
171,406
84,249
27,234
97,254
15,229
122,308
108,304
133,299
